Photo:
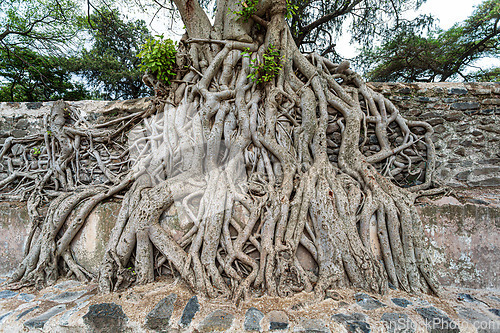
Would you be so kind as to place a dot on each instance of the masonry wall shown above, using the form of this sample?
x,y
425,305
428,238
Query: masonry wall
x,y
463,227
466,122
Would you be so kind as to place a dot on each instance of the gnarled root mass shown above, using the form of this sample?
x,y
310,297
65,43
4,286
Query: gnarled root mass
x,y
275,186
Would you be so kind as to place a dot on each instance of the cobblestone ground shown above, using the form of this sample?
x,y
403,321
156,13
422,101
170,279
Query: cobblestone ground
x,y
167,306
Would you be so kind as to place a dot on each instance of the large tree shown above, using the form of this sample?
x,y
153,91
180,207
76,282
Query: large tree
x,y
111,65
266,153
29,76
440,55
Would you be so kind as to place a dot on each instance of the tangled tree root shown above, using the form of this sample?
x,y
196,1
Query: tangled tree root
x,y
258,172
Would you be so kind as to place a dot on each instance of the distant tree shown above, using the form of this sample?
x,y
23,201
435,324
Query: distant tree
x,y
29,76
317,24
441,55
111,65
490,75
35,39
37,24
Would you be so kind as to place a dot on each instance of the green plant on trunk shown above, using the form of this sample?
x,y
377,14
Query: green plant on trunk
x,y
158,57
248,8
268,68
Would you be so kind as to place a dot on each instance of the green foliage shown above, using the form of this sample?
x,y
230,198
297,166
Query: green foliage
x,y
111,65
38,24
158,57
36,151
291,9
440,55
489,75
247,8
268,68
29,76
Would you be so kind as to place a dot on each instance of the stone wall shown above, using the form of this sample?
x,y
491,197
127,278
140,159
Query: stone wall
x,y
463,228
466,122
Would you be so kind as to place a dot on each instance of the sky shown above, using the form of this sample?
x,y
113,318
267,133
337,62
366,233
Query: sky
x,y
448,12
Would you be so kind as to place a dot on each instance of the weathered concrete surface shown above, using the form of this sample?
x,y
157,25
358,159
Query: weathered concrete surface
x,y
13,232
88,246
90,242
464,238
465,242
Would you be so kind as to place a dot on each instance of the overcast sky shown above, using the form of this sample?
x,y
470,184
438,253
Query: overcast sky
x,y
448,12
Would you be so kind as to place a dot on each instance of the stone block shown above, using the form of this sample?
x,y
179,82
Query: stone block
x,y
217,321
457,91
159,318
463,106
105,318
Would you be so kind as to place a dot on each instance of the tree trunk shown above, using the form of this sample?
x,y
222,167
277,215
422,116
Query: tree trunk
x,y
262,163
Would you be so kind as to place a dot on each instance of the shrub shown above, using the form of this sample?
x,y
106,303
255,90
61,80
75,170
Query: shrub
x,y
158,57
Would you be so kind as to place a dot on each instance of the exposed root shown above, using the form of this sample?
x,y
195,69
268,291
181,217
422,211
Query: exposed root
x,y
256,171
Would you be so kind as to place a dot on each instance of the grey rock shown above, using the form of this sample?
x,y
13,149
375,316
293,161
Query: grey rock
x,y
105,318
495,311
5,294
465,106
435,121
437,321
25,312
453,116
343,318
480,321
427,99
462,176
26,297
487,112
17,133
217,321
402,302
367,302
495,181
189,311
17,149
457,91
159,318
253,317
312,326
468,298
486,171
353,323
440,129
68,296
21,124
398,323
449,100
478,201
64,321
34,105
39,321
5,315
373,139
490,161
357,326
278,320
